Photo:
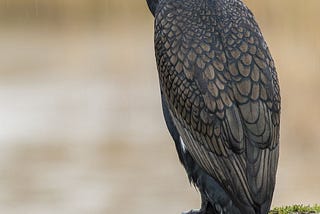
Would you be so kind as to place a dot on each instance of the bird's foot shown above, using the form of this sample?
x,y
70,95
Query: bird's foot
x,y
193,212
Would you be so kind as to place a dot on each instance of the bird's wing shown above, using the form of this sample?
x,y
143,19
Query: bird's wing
x,y
222,91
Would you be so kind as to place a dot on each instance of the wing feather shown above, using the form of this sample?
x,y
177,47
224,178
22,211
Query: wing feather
x,y
221,87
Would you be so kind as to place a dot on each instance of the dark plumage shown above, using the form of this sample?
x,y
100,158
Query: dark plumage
x,y
221,101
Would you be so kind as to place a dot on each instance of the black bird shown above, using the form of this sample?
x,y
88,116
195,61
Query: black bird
x,y
221,101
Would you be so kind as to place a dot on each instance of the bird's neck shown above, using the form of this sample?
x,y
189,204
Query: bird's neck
x,y
153,5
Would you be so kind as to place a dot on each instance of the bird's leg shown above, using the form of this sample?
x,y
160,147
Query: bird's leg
x,y
202,210
193,212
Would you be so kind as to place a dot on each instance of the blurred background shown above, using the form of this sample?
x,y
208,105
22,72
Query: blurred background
x,y
81,128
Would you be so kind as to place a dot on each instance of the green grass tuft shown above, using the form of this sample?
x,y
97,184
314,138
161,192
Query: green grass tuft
x,y
296,209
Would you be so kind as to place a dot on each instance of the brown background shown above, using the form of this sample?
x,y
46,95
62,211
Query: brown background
x,y
81,128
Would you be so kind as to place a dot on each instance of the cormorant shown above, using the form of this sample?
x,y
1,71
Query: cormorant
x,y
221,101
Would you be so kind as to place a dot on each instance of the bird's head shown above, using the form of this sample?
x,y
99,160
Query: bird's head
x,y
153,5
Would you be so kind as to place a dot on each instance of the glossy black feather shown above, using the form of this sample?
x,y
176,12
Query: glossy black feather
x,y
221,97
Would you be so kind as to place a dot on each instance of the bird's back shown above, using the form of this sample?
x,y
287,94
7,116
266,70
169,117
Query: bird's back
x,y
220,84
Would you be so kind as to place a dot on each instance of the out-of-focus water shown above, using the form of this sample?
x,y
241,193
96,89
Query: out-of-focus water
x,y
81,127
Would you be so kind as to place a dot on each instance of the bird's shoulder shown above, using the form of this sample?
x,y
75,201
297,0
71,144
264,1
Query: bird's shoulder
x,y
214,59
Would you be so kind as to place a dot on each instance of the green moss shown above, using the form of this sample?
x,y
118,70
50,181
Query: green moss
x,y
296,209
